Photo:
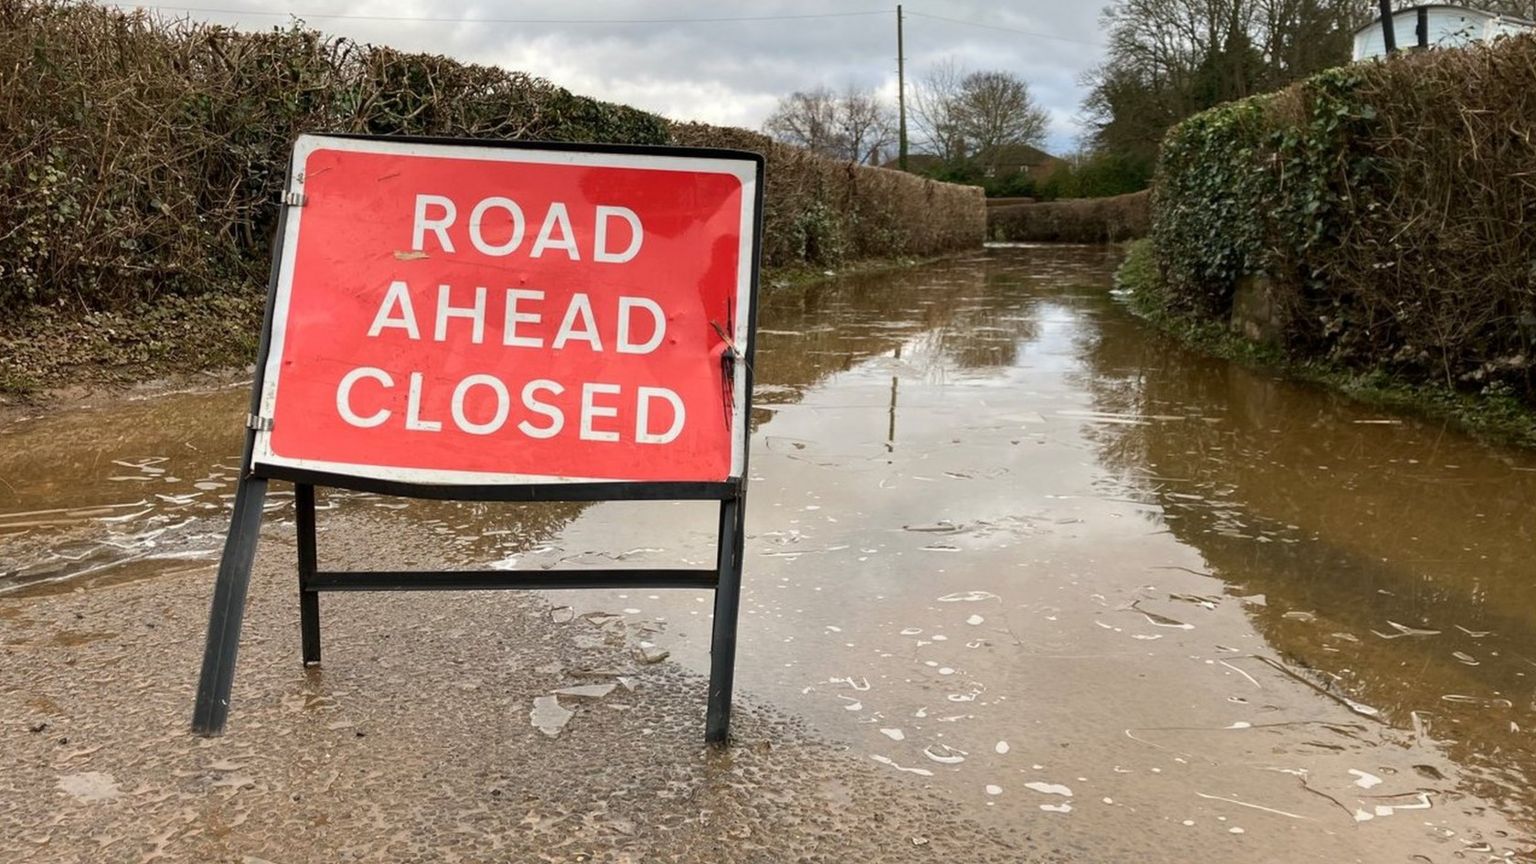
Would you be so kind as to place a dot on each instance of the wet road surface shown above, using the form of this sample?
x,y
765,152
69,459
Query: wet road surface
x,y
1029,578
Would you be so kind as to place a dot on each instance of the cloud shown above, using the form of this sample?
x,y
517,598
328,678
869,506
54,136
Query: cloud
x,y
727,72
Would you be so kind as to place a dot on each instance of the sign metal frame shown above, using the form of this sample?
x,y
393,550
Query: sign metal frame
x,y
226,615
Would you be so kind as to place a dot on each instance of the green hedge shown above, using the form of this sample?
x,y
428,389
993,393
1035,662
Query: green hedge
x,y
1388,204
1072,220
141,159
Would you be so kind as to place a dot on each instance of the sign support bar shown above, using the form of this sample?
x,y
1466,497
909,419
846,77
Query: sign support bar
x,y
309,597
482,580
722,646
228,612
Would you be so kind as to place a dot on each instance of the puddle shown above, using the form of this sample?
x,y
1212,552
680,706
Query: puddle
x,y
1001,537
81,505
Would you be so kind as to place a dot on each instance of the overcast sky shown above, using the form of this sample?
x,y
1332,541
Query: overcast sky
x,y
725,72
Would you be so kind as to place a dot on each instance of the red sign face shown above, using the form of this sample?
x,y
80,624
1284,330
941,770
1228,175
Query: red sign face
x,y
461,314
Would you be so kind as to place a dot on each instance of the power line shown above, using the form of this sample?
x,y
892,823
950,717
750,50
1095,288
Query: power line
x,y
723,19
1003,29
463,20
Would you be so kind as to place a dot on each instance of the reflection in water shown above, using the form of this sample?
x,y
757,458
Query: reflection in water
x,y
130,491
124,491
1033,550
968,556
1394,556
95,493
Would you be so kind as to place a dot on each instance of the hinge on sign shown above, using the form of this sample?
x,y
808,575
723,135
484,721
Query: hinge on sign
x,y
258,423
294,199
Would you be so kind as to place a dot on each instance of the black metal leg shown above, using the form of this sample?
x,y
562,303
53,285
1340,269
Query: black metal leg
x,y
228,610
722,650
309,598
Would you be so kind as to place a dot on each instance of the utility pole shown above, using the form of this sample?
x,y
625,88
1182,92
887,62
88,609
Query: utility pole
x,y
901,94
1388,27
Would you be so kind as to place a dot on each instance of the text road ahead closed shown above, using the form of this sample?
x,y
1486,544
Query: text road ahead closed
x,y
461,314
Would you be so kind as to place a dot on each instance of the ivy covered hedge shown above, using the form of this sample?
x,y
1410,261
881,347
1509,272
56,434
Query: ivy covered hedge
x,y
1390,208
141,160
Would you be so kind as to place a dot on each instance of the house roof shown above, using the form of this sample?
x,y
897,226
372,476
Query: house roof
x,y
1025,154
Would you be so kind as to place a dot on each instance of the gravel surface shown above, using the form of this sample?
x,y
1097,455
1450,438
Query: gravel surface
x,y
414,742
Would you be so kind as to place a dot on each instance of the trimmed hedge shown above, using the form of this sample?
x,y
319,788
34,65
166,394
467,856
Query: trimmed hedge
x,y
822,212
141,158
1075,220
1390,206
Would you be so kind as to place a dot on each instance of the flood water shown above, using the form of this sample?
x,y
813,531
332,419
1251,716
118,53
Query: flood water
x,y
1007,543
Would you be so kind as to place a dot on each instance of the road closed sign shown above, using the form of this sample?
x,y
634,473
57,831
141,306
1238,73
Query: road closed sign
x,y
448,313
500,321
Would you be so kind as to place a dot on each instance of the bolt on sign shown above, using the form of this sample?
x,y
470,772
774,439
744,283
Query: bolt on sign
x,y
498,321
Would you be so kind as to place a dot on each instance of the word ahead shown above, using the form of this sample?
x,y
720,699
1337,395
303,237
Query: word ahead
x,y
497,321
452,314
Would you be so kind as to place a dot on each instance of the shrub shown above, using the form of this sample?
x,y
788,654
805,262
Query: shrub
x,y
1137,274
1083,220
141,159
1388,204
1098,175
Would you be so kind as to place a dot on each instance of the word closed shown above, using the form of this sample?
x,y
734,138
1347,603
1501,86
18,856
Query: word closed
x,y
456,314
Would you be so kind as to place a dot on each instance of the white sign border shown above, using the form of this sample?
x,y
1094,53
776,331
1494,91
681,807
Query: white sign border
x,y
744,170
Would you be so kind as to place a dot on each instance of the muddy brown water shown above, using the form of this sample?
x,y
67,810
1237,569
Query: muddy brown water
x,y
1010,547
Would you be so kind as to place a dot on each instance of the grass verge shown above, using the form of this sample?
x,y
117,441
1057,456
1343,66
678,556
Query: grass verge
x,y
55,348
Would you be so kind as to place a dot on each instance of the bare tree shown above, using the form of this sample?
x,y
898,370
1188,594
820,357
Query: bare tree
x,y
962,115
936,111
996,111
853,126
1300,37
865,125
807,118
1167,59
